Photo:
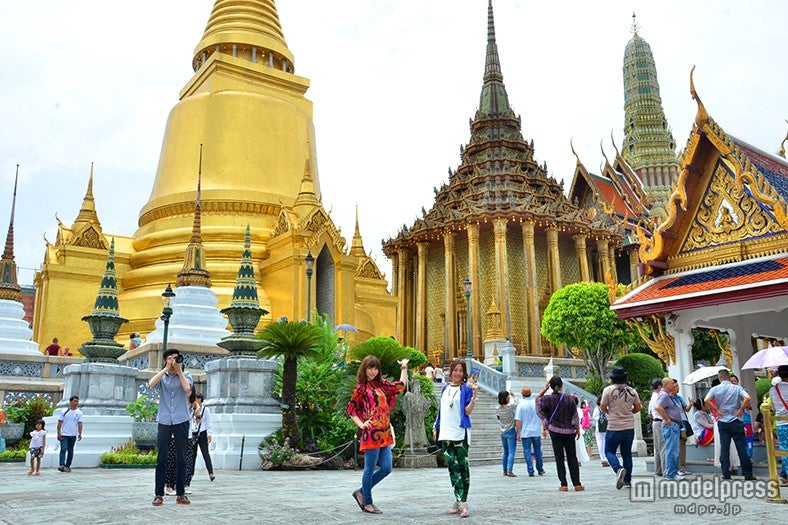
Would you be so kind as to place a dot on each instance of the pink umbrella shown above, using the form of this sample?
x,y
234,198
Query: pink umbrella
x,y
770,357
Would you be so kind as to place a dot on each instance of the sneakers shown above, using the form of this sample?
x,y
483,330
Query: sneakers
x,y
187,490
158,501
66,469
61,468
169,491
750,478
531,474
541,472
622,473
182,500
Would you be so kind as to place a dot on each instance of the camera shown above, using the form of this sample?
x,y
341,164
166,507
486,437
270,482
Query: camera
x,y
179,359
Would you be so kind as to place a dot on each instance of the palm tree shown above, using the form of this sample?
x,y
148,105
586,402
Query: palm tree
x,y
290,340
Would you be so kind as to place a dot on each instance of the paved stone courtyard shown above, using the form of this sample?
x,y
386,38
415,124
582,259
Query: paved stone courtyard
x,y
92,496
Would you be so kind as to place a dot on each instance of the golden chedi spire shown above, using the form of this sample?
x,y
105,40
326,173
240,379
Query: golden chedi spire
x,y
86,230
307,199
357,248
194,272
9,287
249,108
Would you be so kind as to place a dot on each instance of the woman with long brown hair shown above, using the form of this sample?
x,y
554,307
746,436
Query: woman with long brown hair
x,y
452,429
369,408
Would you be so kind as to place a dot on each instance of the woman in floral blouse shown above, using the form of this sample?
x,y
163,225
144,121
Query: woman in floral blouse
x,y
369,408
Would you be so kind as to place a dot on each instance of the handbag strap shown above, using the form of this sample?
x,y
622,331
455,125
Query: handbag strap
x,y
781,397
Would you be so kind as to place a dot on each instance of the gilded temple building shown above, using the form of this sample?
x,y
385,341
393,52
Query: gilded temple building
x,y
247,108
503,223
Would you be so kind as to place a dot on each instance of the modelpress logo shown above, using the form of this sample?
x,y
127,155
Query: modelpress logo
x,y
649,488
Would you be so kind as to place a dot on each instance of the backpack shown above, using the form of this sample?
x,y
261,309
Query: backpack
x,y
601,423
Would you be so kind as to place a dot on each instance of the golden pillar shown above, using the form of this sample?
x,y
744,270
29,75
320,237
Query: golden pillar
x,y
603,250
421,296
582,256
553,258
634,272
532,303
613,271
395,274
473,271
501,270
450,319
402,273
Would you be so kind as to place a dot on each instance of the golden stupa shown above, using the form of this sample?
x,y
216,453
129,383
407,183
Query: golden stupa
x,y
246,106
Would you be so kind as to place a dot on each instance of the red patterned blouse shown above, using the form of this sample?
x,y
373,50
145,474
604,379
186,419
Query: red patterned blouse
x,y
374,400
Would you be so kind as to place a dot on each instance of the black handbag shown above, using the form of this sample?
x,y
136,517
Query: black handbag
x,y
686,428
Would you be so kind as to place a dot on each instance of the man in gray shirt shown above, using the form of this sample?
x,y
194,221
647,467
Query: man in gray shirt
x,y
671,425
174,386
731,400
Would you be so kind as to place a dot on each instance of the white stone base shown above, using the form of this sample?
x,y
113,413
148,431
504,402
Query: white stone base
x,y
228,430
195,318
492,350
15,334
99,435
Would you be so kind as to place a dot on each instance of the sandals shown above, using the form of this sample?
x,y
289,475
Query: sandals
x,y
359,499
466,510
212,477
455,509
371,509
158,501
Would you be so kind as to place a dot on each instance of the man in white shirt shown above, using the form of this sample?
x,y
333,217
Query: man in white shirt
x,y
656,428
69,430
529,427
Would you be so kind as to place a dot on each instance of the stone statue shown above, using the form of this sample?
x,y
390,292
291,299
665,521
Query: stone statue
x,y
416,406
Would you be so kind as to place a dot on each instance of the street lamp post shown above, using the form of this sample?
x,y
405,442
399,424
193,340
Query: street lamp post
x,y
468,287
309,261
166,313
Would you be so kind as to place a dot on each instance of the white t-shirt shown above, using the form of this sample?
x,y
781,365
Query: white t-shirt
x,y
37,438
526,413
429,372
651,404
438,374
451,405
71,420
779,408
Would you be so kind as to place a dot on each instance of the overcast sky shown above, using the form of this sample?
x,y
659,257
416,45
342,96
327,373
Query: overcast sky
x,y
394,84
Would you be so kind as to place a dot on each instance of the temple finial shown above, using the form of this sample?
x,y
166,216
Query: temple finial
x,y
357,247
635,27
9,288
781,152
194,272
494,101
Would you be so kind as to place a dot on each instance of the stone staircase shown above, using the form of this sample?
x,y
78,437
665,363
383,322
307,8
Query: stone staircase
x,y
486,446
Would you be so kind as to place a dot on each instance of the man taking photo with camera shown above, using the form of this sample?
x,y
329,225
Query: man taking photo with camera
x,y
174,386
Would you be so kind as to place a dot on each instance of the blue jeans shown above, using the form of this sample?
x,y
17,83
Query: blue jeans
x,y
536,443
67,445
623,439
181,433
733,431
671,434
509,442
782,437
371,476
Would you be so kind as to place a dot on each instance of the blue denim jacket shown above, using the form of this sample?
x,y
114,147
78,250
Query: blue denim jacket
x,y
466,394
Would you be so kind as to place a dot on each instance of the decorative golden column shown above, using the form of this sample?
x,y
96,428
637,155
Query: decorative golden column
x,y
402,273
421,296
634,259
450,319
501,271
532,303
582,256
395,274
603,251
613,271
473,271
552,254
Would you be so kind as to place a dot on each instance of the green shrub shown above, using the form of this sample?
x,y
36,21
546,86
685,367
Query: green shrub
x,y
29,410
339,430
128,454
762,387
17,452
276,451
594,384
641,369
143,409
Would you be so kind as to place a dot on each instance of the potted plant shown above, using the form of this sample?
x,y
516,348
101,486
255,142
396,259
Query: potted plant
x,y
16,414
144,429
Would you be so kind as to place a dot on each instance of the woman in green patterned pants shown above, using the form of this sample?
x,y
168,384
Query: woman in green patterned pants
x,y
452,428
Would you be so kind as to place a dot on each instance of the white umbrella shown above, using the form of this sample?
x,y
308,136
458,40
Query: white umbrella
x,y
770,357
702,373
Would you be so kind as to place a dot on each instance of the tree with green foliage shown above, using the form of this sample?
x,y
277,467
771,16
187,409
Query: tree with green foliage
x,y
705,347
579,316
641,369
291,341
